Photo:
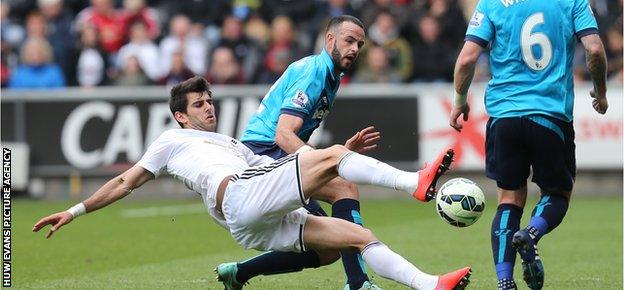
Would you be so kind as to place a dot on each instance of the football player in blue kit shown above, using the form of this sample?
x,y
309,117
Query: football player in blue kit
x,y
530,101
292,109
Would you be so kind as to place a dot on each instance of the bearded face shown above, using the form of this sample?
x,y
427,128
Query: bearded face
x,y
347,42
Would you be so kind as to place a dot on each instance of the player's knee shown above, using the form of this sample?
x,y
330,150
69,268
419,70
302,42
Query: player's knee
x,y
510,200
331,156
516,197
333,153
338,150
365,237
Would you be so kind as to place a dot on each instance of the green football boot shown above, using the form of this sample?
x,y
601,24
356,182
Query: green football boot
x,y
226,274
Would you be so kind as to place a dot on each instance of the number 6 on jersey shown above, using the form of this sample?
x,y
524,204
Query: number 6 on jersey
x,y
528,39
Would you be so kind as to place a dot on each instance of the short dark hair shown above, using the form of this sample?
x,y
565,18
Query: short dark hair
x,y
336,21
178,100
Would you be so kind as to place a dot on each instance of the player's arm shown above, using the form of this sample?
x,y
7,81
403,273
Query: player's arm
x,y
111,191
464,72
286,133
286,138
596,60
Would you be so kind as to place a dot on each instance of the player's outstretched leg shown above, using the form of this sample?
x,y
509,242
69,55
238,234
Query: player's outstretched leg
x,y
332,233
391,265
319,167
322,165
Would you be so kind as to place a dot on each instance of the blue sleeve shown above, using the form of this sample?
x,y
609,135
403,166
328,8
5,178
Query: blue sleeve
x,y
304,92
480,28
583,18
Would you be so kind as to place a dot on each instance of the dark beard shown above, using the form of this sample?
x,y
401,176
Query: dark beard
x,y
336,57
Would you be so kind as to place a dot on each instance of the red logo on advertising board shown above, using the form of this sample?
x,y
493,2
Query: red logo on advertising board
x,y
471,136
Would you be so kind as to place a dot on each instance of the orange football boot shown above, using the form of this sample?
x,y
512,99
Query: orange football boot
x,y
428,176
457,280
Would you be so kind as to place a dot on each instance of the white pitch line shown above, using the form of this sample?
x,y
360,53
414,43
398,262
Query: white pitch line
x,y
163,211
194,281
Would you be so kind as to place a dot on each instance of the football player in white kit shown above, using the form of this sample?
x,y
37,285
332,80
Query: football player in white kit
x,y
260,200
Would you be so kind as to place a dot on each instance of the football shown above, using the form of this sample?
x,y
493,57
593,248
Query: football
x,y
460,202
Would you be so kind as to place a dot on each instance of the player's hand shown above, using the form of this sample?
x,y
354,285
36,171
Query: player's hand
x,y
455,113
57,220
599,103
364,140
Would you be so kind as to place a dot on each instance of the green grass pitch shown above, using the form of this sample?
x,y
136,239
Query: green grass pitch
x,y
152,245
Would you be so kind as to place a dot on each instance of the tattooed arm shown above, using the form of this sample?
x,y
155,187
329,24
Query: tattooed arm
x,y
597,65
464,72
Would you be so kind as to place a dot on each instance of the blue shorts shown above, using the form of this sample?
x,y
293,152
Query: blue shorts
x,y
275,152
266,149
544,144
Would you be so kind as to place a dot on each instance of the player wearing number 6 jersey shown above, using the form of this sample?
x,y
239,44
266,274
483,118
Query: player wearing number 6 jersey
x,y
530,101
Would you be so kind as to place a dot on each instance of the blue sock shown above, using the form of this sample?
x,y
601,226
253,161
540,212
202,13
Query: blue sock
x,y
271,263
315,208
349,209
547,215
506,222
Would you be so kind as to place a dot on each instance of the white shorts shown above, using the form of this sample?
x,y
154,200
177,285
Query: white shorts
x,y
263,207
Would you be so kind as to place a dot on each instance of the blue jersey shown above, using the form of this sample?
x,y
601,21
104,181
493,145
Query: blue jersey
x,y
532,49
306,89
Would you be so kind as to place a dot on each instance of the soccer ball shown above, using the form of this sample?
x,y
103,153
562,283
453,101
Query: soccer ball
x,y
460,202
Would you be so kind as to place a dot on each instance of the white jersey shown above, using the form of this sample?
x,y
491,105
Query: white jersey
x,y
200,160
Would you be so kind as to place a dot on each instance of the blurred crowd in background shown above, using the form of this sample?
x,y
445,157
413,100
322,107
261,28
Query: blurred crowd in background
x,y
60,43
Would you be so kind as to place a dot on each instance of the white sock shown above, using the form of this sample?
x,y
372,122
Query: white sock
x,y
391,265
362,169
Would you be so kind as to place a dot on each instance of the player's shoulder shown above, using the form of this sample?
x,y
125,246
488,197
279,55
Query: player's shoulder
x,y
170,136
309,66
499,6
167,134
176,136
174,132
166,139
